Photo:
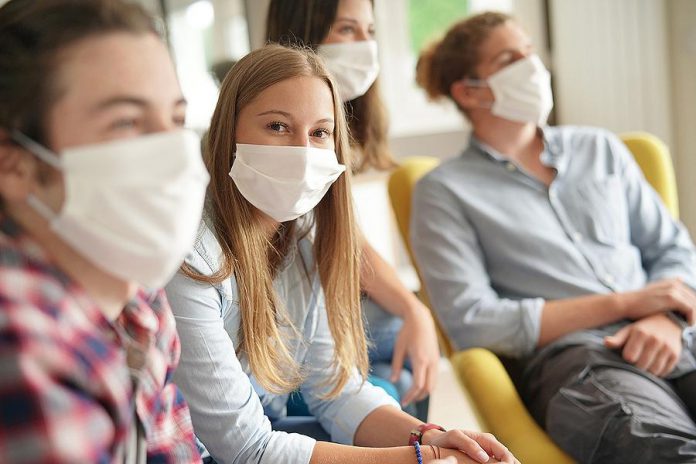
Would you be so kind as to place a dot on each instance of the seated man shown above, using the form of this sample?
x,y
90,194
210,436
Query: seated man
x,y
546,244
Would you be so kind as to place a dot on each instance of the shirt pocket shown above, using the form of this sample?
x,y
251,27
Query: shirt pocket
x,y
603,211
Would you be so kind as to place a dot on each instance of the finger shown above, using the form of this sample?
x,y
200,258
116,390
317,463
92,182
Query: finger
x,y
672,361
633,348
427,385
492,446
690,301
660,364
398,359
683,304
618,339
416,390
648,355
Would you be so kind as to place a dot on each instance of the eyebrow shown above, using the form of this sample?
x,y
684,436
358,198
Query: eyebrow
x,y
289,116
350,20
509,50
130,100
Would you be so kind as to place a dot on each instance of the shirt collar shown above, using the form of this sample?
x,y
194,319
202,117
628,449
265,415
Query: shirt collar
x,y
554,154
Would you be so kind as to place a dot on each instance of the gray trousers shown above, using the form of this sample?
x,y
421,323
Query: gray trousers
x,y
602,410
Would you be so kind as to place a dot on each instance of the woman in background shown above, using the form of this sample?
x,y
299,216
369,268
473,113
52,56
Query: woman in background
x,y
399,326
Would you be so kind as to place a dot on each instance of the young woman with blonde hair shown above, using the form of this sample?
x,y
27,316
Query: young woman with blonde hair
x,y
400,327
262,311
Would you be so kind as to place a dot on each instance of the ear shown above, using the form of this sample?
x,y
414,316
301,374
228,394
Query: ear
x,y
17,170
464,95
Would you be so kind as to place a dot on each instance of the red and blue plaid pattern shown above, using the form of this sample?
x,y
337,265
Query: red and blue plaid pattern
x,y
66,394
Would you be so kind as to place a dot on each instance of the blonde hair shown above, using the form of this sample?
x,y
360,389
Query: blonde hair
x,y
254,260
456,56
307,23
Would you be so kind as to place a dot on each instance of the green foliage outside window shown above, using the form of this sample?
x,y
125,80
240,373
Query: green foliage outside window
x,y
429,19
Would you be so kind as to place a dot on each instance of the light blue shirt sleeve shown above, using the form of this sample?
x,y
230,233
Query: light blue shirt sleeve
x,y
452,265
227,415
664,243
342,415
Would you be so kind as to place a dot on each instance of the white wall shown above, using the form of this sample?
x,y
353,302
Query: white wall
x,y
682,42
610,64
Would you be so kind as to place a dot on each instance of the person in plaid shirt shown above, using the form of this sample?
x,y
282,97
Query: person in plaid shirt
x,y
98,185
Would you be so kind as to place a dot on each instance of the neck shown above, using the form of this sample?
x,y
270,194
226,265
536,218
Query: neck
x,y
512,139
108,292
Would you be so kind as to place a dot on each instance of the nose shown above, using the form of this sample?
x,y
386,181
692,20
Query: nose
x,y
301,140
363,35
159,121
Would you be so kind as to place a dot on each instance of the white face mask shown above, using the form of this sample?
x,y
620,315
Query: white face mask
x,y
284,182
522,91
353,65
132,207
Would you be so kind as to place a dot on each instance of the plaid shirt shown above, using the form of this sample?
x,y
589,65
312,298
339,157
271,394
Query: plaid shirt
x,y
66,389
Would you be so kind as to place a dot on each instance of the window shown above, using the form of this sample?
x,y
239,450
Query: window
x,y
404,27
203,34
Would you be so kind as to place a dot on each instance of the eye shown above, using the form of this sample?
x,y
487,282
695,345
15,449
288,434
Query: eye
x,y
322,133
345,30
124,124
278,126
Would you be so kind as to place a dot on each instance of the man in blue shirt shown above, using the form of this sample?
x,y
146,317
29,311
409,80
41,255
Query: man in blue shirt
x,y
547,245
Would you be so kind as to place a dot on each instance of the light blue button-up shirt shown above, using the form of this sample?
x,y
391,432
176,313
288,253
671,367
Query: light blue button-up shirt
x,y
230,410
493,243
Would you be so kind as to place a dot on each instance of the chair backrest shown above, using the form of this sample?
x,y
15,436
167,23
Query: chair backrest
x,y
654,160
401,184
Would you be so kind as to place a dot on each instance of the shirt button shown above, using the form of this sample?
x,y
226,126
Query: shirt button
x,y
609,278
553,195
577,236
510,167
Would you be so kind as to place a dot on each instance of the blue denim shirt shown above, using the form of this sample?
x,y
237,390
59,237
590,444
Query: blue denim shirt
x,y
230,410
493,243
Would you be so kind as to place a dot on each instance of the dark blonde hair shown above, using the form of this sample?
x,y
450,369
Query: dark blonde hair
x,y
254,260
307,23
32,33
456,56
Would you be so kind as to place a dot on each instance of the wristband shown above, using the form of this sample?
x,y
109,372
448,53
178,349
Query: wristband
x,y
417,433
419,456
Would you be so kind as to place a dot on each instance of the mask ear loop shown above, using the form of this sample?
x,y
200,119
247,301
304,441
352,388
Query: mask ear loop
x,y
479,83
41,152
48,157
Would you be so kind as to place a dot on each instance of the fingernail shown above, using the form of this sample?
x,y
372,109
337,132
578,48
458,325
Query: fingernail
x,y
482,456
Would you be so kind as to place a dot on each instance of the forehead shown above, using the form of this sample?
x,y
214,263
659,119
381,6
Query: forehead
x,y
304,95
355,9
507,36
99,67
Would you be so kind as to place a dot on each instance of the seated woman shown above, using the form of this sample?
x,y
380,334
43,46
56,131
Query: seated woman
x,y
262,311
399,327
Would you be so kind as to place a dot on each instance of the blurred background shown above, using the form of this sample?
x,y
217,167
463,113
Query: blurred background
x,y
619,64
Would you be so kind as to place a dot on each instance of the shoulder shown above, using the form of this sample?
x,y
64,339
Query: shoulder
x,y
590,147
206,254
578,135
30,282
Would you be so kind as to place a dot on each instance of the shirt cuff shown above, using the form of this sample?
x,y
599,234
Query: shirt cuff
x,y
353,412
288,447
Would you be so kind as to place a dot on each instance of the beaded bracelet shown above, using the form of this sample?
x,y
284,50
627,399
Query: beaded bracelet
x,y
419,456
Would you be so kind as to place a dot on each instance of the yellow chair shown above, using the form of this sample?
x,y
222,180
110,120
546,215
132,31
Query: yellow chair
x,y
495,399
497,404
653,158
